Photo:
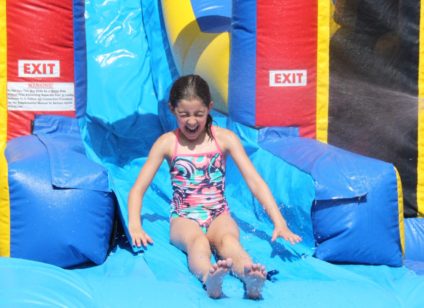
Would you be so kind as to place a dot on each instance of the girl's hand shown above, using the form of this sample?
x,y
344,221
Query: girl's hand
x,y
285,233
139,236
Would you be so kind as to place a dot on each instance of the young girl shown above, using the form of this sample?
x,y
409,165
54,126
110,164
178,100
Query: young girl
x,y
200,218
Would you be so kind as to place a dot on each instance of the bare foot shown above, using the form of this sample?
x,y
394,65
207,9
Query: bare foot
x,y
214,278
254,278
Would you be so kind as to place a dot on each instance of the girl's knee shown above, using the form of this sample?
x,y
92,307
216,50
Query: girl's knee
x,y
230,246
199,241
229,240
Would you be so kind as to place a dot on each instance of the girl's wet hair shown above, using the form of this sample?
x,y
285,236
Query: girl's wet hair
x,y
192,87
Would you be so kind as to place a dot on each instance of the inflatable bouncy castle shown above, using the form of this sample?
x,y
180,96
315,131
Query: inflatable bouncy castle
x,y
323,94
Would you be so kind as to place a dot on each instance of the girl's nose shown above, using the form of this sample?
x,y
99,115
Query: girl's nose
x,y
191,121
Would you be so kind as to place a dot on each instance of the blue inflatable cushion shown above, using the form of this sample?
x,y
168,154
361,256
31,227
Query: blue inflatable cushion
x,y
355,211
61,207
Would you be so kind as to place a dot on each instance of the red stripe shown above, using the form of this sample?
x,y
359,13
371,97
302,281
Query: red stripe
x,y
286,40
38,30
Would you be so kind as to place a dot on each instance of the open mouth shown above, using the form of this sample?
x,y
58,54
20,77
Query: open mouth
x,y
192,130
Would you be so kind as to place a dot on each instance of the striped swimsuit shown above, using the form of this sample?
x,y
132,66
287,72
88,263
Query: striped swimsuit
x,y
198,182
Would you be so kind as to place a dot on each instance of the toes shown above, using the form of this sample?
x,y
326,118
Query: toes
x,y
255,269
221,264
229,262
225,264
213,268
247,268
258,267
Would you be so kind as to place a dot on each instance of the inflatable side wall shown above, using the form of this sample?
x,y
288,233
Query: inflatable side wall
x,y
44,194
43,71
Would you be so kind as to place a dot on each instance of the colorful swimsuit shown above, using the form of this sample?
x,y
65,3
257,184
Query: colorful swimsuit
x,y
198,182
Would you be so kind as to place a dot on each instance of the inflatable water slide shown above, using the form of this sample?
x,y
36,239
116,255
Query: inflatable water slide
x,y
325,102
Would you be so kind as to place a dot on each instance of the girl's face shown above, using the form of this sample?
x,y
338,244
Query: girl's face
x,y
191,117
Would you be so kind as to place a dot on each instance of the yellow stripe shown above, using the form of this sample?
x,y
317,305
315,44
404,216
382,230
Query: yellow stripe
x,y
420,163
4,186
323,67
400,212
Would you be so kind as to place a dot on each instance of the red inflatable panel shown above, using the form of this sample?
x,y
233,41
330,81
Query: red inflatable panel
x,y
286,65
40,63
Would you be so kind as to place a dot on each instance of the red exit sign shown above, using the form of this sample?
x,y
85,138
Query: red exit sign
x,y
39,68
288,78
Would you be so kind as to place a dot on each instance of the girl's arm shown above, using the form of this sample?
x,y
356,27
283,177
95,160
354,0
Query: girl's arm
x,y
154,160
258,187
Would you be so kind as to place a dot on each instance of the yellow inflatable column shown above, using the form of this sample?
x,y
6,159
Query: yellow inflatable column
x,y
420,163
323,69
194,51
4,187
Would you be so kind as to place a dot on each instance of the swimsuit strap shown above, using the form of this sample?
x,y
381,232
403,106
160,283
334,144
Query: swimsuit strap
x,y
216,141
177,139
177,135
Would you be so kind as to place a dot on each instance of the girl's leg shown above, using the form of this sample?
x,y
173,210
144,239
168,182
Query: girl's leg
x,y
187,235
223,234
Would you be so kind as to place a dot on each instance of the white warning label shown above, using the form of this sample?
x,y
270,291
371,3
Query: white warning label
x,y
41,96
